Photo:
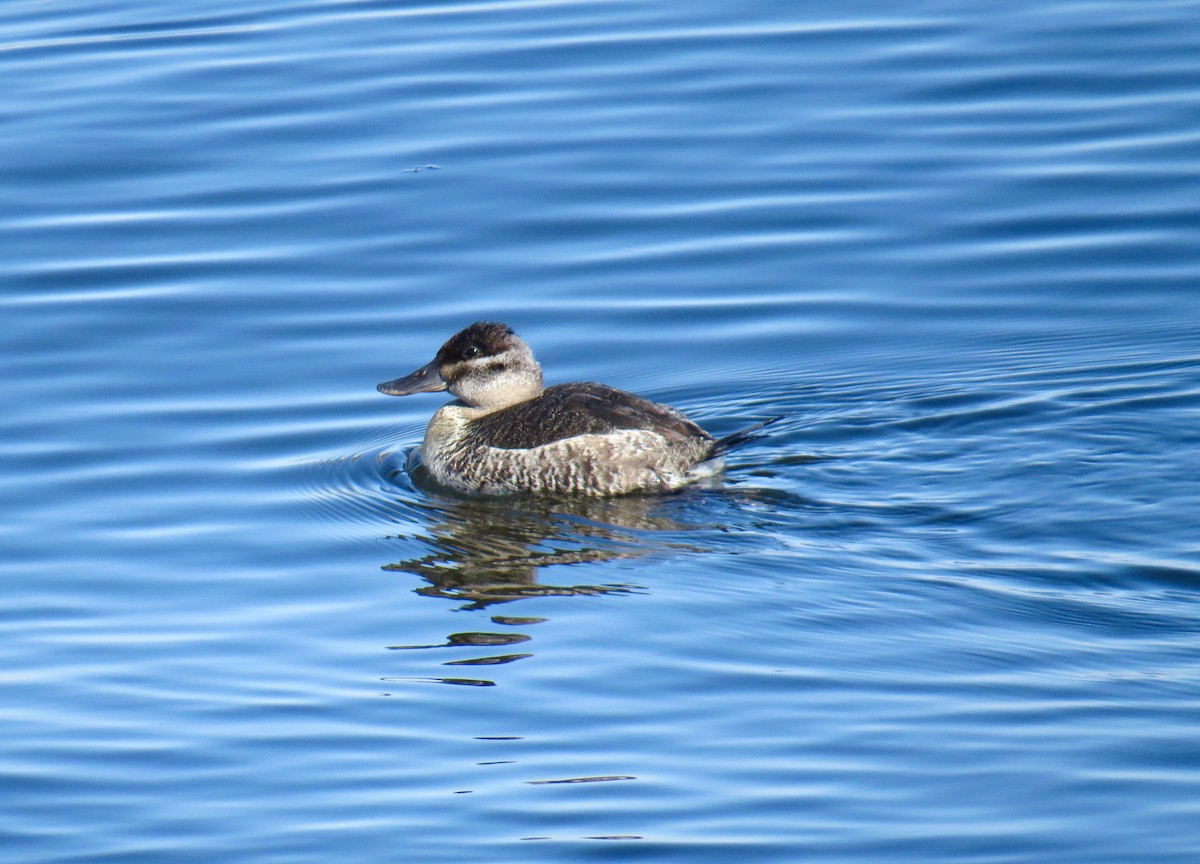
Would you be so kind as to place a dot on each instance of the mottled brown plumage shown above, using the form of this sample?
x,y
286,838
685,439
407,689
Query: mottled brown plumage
x,y
567,410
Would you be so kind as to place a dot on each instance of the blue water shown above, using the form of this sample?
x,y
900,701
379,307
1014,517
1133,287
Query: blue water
x,y
948,611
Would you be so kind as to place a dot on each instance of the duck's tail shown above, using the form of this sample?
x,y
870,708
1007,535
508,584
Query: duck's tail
x,y
737,439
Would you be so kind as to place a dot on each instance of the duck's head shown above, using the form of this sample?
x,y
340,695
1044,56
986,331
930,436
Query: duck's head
x,y
486,365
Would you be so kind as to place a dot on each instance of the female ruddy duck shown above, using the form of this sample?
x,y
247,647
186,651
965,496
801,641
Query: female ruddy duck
x,y
507,434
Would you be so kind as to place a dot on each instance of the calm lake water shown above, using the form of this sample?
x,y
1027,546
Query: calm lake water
x,y
948,611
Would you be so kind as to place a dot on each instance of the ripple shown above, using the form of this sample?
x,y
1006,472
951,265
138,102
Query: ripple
x,y
955,586
362,485
607,779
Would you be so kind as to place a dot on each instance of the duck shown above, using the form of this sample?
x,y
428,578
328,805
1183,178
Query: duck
x,y
506,433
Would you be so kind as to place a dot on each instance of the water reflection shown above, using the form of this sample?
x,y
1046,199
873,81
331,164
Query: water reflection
x,y
492,551
485,552
456,640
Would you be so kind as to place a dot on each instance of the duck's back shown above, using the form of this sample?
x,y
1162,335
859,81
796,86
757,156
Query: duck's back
x,y
570,410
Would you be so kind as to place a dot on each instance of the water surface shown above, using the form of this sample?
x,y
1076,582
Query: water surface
x,y
946,611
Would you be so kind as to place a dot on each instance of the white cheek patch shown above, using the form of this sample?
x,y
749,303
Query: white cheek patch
x,y
477,386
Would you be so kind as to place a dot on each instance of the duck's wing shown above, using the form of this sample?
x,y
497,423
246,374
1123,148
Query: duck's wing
x,y
569,410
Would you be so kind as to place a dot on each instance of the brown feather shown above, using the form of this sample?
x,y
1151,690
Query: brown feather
x,y
569,410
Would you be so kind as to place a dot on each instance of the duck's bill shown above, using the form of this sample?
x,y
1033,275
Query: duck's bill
x,y
424,380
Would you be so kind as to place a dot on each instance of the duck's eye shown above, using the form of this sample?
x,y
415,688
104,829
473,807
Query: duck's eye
x,y
472,351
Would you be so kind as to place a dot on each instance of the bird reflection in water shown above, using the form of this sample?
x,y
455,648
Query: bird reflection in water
x,y
485,552
490,551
